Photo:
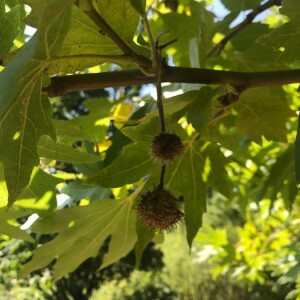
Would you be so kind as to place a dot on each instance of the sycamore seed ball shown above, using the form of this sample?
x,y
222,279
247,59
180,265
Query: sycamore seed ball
x,y
166,147
158,209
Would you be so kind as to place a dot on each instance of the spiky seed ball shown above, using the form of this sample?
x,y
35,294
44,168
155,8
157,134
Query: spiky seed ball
x,y
166,147
159,209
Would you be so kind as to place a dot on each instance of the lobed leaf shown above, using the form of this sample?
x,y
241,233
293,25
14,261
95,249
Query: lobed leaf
x,y
262,114
199,113
217,176
77,191
50,149
290,8
9,27
280,174
144,237
120,15
184,178
40,195
131,166
240,5
25,112
139,6
11,230
82,231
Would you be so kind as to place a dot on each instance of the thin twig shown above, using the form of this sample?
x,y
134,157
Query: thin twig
x,y
238,28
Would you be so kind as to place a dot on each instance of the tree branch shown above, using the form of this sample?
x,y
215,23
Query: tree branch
x,y
249,18
239,80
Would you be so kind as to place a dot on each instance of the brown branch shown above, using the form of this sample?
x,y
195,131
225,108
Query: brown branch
x,y
238,28
239,80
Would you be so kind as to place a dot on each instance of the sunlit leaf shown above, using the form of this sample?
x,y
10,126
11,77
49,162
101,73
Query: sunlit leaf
x,y
131,166
92,126
77,191
120,15
9,27
263,114
40,195
82,231
50,149
25,114
11,230
184,178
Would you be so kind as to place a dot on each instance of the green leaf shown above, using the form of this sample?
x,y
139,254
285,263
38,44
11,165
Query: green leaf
x,y
25,114
210,236
241,4
69,132
40,195
217,176
120,15
50,149
285,39
175,107
199,113
9,27
13,231
139,6
83,46
18,144
77,191
82,231
94,125
131,166
280,177
37,9
184,178
119,140
145,131
262,114
144,237
297,153
245,41
290,8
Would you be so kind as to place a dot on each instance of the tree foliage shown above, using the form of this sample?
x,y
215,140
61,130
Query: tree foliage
x,y
233,110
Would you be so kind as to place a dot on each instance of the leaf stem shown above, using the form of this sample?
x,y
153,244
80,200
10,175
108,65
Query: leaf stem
x,y
154,57
214,51
159,99
162,175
